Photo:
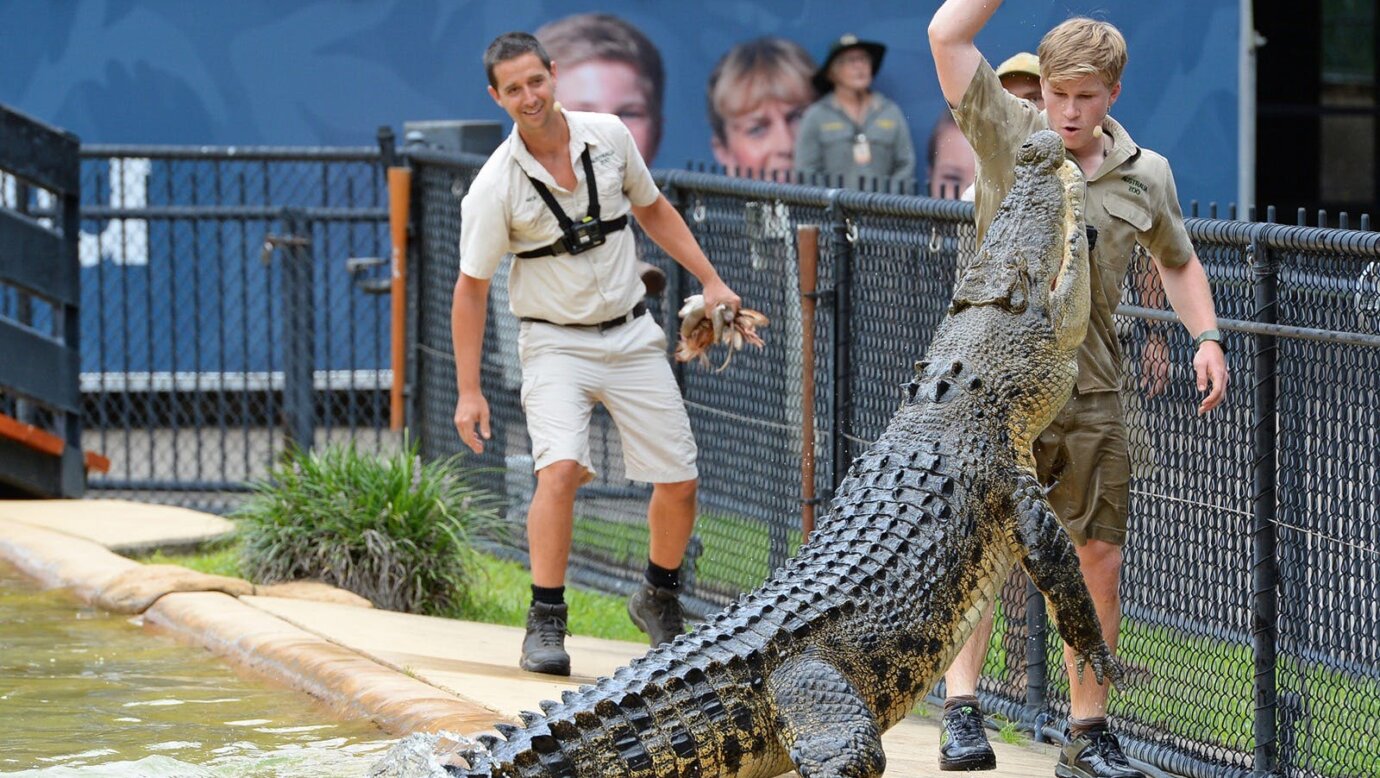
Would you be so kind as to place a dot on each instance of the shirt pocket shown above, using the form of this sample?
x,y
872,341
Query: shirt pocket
x,y
1133,212
532,220
836,132
1127,211
882,131
610,184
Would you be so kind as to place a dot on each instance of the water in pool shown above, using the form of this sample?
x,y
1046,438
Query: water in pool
x,y
86,693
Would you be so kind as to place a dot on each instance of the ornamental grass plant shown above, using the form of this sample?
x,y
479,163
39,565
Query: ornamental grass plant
x,y
389,528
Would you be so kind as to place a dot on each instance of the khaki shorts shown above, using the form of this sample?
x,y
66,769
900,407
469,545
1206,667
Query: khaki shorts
x,y
566,370
1084,453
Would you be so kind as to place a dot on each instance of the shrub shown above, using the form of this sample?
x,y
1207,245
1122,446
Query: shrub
x,y
388,528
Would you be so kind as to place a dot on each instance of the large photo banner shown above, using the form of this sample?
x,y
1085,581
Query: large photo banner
x,y
719,81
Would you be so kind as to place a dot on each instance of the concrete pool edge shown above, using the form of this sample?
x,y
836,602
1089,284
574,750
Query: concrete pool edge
x,y
339,676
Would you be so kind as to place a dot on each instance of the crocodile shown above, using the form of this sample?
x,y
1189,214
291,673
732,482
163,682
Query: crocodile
x,y
808,671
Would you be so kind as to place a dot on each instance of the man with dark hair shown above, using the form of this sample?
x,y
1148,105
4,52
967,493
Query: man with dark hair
x,y
508,46
558,196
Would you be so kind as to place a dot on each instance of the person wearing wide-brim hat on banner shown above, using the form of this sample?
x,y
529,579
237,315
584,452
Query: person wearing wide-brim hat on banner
x,y
854,131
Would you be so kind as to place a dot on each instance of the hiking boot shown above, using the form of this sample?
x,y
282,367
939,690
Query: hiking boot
x,y
963,743
657,612
1096,754
543,650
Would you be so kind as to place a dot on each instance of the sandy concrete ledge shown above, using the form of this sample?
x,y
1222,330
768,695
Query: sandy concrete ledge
x,y
60,560
339,676
399,704
121,525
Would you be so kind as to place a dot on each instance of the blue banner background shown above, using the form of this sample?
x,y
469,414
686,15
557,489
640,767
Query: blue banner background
x,y
290,72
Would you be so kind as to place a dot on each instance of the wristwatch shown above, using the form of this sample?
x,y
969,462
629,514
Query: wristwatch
x,y
1206,335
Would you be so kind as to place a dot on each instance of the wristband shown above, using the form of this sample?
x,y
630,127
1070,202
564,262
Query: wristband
x,y
1205,336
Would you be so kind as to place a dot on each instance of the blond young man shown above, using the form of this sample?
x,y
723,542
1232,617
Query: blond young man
x,y
1131,200
557,195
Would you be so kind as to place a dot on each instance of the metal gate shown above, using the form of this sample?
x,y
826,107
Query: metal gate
x,y
230,312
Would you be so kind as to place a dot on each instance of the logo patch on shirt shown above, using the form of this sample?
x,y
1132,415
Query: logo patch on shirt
x,y
886,124
830,126
1135,186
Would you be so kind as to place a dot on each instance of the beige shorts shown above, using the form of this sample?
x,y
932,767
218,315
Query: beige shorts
x,y
1084,453
566,370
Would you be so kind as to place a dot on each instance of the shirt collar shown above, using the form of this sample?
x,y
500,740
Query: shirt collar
x,y
1123,148
874,104
580,137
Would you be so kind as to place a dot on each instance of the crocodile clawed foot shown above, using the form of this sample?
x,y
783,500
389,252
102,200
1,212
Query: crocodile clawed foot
x,y
1106,667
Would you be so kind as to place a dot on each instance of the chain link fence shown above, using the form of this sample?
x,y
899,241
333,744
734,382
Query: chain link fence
x,y
229,310
1250,617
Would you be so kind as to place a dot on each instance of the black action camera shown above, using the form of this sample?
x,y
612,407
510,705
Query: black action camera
x,y
584,235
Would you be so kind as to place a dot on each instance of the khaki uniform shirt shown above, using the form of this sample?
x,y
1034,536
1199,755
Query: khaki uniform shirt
x,y
502,213
827,138
1131,200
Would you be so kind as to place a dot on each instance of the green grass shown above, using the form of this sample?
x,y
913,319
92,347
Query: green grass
x,y
499,593
502,591
222,559
735,556
1011,735
1203,688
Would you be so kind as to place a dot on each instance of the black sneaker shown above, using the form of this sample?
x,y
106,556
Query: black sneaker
x,y
963,743
543,649
1096,754
657,612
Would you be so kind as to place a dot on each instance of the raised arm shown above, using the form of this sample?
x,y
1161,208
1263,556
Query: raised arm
x,y
953,31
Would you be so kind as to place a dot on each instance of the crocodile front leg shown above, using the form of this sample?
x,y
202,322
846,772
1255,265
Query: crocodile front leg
x,y
1052,563
823,723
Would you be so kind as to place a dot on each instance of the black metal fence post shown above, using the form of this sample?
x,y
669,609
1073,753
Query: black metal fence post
x,y
1036,712
299,335
678,278
1264,558
841,247
418,263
